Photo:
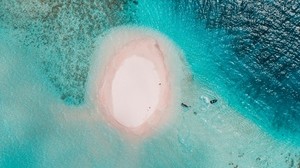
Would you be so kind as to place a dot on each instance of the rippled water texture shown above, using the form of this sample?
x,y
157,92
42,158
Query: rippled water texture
x,y
244,53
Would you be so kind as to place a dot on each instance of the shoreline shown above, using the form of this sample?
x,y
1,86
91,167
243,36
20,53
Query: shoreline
x,y
106,98
109,57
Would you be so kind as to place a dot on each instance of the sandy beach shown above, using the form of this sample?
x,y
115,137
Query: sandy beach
x,y
135,86
135,92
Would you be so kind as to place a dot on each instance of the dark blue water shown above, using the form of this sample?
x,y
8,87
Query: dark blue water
x,y
264,69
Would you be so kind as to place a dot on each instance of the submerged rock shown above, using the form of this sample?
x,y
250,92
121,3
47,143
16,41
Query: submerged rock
x,y
213,101
184,105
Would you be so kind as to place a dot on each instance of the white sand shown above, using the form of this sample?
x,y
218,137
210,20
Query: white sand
x,y
135,91
135,85
131,83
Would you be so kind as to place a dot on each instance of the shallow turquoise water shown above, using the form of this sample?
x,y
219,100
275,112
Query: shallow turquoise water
x,y
45,61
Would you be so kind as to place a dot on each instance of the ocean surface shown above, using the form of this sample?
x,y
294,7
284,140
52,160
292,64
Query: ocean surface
x,y
243,53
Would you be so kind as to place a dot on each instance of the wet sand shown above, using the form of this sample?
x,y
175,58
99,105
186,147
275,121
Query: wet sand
x,y
135,86
135,91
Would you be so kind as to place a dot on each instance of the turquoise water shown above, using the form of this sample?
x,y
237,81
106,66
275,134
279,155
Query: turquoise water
x,y
214,64
45,54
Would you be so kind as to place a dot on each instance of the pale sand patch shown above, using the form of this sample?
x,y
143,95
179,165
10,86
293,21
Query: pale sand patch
x,y
135,91
131,81
126,104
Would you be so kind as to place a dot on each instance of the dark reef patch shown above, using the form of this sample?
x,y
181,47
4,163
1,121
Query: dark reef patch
x,y
64,32
266,63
